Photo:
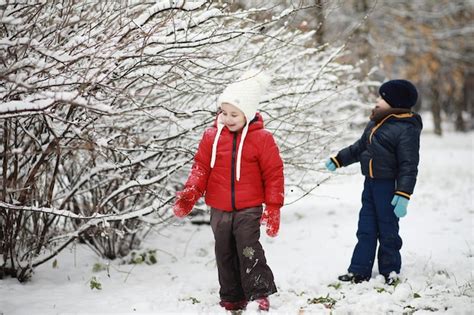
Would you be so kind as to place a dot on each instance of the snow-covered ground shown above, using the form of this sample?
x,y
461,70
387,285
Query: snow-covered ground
x,y
314,246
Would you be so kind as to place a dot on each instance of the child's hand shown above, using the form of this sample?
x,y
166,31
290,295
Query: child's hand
x,y
330,165
185,201
271,217
400,204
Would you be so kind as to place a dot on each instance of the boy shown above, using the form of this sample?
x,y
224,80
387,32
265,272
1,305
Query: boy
x,y
388,152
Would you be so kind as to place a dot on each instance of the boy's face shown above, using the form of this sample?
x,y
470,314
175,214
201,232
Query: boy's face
x,y
382,104
232,117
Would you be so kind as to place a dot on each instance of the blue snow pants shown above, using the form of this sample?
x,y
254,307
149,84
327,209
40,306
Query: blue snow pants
x,y
377,222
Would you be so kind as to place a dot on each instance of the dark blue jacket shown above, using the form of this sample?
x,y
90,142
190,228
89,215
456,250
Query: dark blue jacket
x,y
388,149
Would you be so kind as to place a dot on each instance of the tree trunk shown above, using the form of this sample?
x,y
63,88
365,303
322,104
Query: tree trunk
x,y
361,34
320,20
459,124
6,136
468,96
436,109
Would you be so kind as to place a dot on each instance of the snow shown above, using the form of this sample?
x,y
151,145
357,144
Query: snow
x,y
19,106
10,20
314,246
165,5
49,98
284,13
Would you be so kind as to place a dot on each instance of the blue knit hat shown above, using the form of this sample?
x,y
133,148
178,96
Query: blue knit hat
x,y
399,93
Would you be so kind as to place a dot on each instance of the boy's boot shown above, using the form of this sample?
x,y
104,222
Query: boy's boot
x,y
353,277
391,280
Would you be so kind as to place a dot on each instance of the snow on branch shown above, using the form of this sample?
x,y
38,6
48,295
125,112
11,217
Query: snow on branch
x,y
24,106
50,99
105,168
164,5
157,8
71,215
203,17
104,220
144,182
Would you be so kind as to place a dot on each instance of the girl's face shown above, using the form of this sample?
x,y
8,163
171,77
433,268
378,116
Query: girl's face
x,y
382,104
232,117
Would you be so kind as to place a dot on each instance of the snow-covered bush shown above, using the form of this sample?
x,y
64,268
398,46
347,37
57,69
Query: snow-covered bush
x,y
103,104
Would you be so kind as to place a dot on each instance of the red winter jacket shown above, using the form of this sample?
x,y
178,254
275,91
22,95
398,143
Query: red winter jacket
x,y
261,179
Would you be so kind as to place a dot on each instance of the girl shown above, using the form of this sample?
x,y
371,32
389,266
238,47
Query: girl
x,y
238,167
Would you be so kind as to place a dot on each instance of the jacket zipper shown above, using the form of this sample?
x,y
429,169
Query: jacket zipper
x,y
371,171
232,172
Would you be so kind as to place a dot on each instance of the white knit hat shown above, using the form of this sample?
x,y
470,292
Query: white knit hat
x,y
245,94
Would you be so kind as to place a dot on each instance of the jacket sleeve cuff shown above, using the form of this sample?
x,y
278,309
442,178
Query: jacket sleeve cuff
x,y
403,194
335,161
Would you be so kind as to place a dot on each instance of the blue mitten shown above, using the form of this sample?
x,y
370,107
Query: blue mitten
x,y
400,204
330,165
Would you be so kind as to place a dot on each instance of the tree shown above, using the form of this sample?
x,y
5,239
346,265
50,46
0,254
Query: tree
x,y
104,103
424,41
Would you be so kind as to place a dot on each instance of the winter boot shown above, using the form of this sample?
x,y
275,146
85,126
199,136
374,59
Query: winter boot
x,y
233,306
353,277
391,280
263,303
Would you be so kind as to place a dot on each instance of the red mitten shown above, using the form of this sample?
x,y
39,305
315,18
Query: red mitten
x,y
272,220
185,201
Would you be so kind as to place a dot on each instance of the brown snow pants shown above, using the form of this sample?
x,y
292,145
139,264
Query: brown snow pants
x,y
241,264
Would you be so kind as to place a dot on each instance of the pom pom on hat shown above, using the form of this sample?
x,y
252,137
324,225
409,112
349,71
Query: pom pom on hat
x,y
246,92
399,93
